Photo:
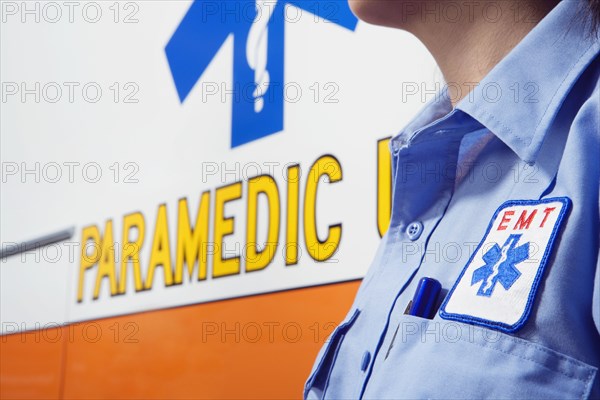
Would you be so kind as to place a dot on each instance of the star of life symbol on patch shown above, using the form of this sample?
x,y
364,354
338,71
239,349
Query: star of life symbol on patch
x,y
498,285
500,265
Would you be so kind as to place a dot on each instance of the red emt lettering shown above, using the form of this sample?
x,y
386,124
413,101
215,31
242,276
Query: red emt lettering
x,y
525,220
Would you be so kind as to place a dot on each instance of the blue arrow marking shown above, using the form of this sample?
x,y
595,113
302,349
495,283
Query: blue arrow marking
x,y
204,29
500,266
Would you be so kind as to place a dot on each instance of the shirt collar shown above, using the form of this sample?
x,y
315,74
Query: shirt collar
x,y
520,97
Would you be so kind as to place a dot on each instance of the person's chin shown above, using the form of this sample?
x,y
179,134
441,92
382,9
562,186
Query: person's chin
x,y
376,12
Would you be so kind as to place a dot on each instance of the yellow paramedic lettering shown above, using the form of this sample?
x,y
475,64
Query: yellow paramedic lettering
x,y
265,185
130,250
90,238
106,263
293,193
160,254
224,227
320,250
192,242
384,186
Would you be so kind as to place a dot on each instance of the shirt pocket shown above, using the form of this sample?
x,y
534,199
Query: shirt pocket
x,y
448,359
316,385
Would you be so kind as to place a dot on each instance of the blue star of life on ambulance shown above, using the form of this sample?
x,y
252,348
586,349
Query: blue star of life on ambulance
x,y
500,266
258,28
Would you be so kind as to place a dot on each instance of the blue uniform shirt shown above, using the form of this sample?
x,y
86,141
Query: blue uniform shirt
x,y
498,200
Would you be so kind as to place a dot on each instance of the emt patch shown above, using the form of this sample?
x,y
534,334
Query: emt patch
x,y
497,287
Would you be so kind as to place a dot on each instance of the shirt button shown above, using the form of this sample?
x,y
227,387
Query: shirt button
x,y
365,361
414,230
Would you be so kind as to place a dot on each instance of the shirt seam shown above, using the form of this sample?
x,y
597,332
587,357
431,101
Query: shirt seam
x,y
540,349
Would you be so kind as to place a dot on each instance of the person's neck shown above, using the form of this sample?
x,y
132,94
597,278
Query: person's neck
x,y
466,50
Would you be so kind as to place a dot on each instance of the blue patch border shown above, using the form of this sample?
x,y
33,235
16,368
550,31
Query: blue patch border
x,y
499,325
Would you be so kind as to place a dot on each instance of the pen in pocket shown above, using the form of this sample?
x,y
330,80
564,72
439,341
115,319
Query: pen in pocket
x,y
423,303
